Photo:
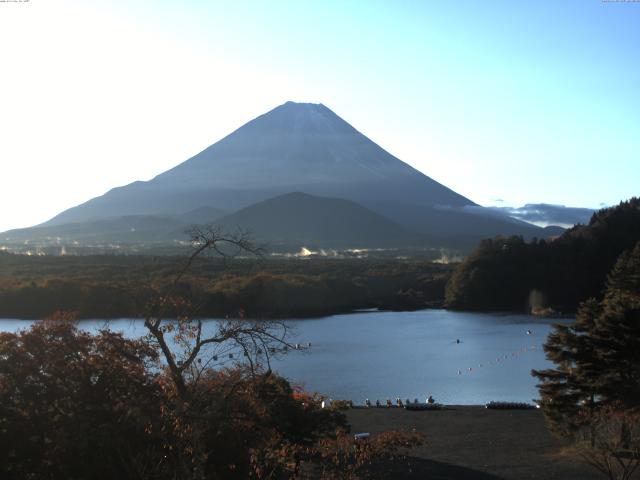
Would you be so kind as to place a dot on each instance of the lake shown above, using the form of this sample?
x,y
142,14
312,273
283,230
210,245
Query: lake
x,y
380,355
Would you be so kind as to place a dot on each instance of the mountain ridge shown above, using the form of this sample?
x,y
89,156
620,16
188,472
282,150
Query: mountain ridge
x,y
303,148
294,147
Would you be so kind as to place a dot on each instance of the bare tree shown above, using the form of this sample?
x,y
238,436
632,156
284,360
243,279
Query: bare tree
x,y
609,441
191,347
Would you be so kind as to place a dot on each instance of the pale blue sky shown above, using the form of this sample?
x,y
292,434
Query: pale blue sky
x,y
519,101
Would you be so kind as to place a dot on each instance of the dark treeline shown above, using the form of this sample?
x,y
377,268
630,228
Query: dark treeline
x,y
597,359
592,393
119,286
546,275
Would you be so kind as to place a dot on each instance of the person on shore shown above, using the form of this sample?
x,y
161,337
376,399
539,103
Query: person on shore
x,y
377,403
367,403
430,400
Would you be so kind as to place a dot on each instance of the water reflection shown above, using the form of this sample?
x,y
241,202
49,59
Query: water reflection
x,y
459,358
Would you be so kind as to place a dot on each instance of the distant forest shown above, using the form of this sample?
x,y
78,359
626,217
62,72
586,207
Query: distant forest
x,y
502,274
120,286
542,276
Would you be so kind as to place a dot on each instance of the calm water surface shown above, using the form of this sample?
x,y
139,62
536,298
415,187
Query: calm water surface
x,y
380,355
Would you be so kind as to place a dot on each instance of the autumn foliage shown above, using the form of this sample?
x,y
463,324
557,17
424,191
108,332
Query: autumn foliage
x,y
76,405
71,401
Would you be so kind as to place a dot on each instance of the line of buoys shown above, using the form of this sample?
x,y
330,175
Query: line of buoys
x,y
500,359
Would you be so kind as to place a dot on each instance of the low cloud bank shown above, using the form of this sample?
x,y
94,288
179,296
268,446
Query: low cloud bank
x,y
544,214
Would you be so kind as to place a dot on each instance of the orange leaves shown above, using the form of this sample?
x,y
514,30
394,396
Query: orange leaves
x,y
60,384
301,396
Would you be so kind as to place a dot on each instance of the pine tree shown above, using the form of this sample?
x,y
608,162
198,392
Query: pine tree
x,y
598,356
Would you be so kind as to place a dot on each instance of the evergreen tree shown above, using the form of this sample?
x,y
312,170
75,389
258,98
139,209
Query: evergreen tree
x,y
502,273
598,356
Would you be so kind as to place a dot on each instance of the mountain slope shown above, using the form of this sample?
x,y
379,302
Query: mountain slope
x,y
295,147
125,229
298,219
302,148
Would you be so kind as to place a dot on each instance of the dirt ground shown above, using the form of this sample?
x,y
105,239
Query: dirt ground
x,y
473,443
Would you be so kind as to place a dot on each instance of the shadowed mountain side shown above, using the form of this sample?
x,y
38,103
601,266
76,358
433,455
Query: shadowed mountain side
x,y
303,147
202,215
295,147
460,227
128,229
298,218
553,231
293,219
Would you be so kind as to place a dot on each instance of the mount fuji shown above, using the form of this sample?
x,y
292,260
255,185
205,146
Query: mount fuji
x,y
296,147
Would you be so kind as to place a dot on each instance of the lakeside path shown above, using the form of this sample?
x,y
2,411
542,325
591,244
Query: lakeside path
x,y
473,443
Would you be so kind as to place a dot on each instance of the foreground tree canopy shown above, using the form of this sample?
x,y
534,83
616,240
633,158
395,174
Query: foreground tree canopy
x,y
75,405
598,356
70,401
79,406
512,274
593,393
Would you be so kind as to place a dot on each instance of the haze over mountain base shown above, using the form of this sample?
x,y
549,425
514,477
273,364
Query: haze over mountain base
x,y
296,176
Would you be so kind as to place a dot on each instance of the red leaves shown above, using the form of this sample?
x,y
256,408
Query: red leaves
x,y
68,398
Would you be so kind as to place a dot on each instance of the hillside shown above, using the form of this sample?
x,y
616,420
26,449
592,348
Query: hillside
x,y
508,273
117,230
299,219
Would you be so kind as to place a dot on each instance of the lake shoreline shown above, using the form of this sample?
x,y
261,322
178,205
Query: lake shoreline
x,y
326,313
459,358
303,315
